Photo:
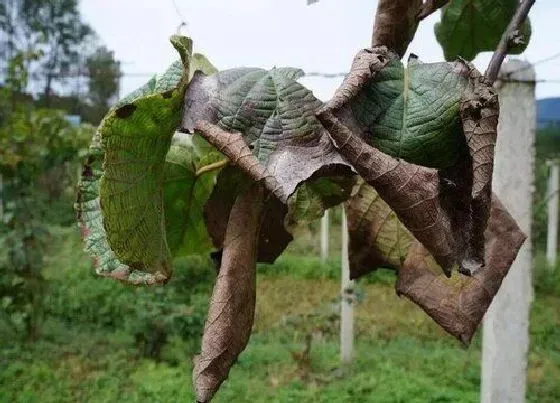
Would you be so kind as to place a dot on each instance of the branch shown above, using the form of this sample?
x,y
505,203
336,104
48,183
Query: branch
x,y
430,7
395,24
509,35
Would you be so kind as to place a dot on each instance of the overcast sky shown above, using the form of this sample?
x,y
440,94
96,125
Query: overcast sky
x,y
322,37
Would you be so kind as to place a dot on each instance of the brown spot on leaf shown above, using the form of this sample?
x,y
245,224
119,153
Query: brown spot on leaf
x,y
125,111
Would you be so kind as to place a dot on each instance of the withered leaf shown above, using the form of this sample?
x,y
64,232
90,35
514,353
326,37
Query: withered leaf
x,y
445,210
232,306
264,122
376,236
458,303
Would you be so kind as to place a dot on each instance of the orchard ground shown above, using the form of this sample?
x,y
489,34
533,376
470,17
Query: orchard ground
x,y
102,341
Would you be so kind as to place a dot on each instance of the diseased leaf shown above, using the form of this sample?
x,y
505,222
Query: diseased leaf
x,y
446,209
458,304
232,306
469,27
378,239
136,138
413,112
264,122
376,236
140,166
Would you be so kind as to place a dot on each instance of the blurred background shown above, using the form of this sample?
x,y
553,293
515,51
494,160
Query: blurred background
x,y
66,335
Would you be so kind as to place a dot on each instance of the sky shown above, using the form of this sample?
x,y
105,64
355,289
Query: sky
x,y
322,37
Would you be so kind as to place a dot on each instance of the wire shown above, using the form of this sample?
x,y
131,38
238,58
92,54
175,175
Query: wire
x,y
179,13
545,60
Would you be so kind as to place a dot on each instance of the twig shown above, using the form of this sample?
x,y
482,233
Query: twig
x,y
497,59
429,7
395,24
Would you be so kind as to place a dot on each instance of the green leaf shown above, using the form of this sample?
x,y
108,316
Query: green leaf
x,y
201,63
190,173
136,138
121,194
266,107
469,27
413,113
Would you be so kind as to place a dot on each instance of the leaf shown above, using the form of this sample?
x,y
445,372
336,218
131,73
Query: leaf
x,y
191,168
136,138
132,143
379,239
458,304
469,27
446,209
413,112
264,122
376,236
232,306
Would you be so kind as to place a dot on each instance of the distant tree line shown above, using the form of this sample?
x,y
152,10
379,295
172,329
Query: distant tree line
x,y
59,60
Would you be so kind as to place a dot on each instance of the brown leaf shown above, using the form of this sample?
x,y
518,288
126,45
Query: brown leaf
x,y
458,304
376,236
233,146
274,237
412,191
286,169
232,306
479,111
395,24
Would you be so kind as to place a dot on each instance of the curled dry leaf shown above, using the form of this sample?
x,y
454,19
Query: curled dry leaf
x,y
400,122
379,239
232,306
458,304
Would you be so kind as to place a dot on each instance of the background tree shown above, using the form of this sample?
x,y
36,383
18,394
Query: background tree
x,y
104,73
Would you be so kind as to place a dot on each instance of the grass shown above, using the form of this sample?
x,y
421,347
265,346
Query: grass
x,y
400,354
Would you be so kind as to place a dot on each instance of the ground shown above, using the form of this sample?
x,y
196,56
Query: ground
x,y
87,352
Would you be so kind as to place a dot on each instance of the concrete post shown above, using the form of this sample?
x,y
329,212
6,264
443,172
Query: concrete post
x,y
347,300
325,237
552,196
506,324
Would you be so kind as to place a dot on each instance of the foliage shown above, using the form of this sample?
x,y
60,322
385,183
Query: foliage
x,y
84,355
469,27
33,144
54,28
421,137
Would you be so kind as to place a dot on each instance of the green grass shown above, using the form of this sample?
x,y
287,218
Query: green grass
x,y
87,350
